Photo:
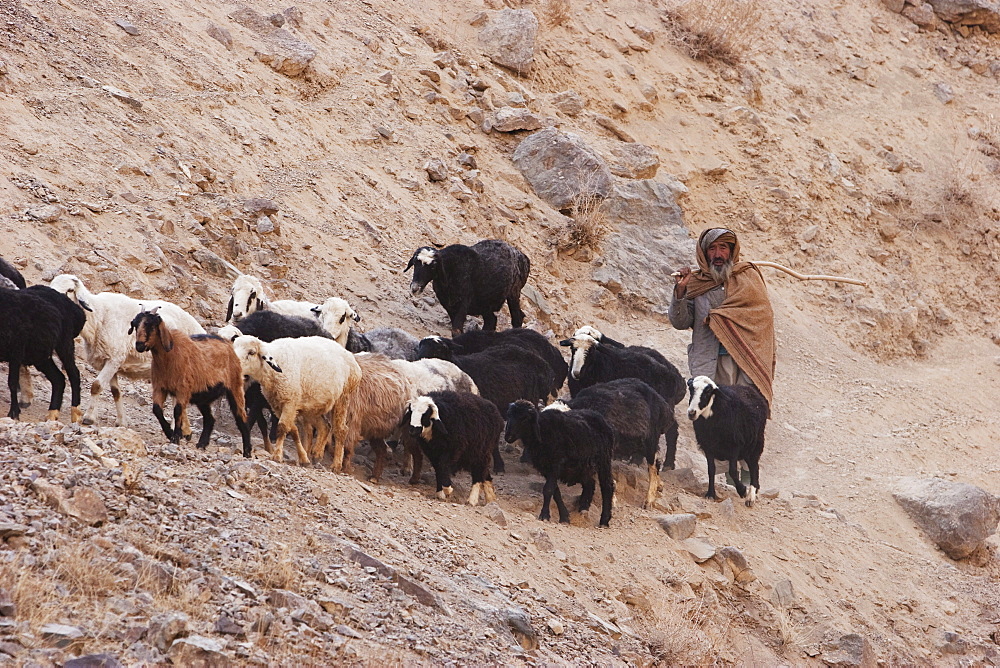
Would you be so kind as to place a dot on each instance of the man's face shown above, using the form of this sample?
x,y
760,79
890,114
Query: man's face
x,y
718,254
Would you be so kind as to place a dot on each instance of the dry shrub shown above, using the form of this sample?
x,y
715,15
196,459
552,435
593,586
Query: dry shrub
x,y
277,570
687,636
585,229
555,12
722,30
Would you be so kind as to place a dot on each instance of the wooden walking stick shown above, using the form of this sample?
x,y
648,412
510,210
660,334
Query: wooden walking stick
x,y
811,277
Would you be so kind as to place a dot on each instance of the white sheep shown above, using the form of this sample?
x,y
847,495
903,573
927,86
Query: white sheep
x,y
336,316
309,376
108,345
248,296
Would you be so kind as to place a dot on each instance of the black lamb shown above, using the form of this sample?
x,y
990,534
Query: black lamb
x,y
572,446
503,374
594,361
475,341
637,415
729,422
36,323
473,280
457,431
10,272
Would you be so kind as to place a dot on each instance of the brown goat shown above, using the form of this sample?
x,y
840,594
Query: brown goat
x,y
194,369
374,410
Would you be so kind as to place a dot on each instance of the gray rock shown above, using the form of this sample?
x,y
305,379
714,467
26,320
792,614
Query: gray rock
x,y
685,479
542,541
561,168
282,598
923,16
7,606
220,34
894,5
569,102
165,628
436,169
512,119
954,644
265,225
848,651
495,513
225,625
211,262
122,96
48,213
519,623
634,161
508,39
699,548
260,206
87,506
62,635
127,26
734,565
784,594
94,661
982,13
944,92
198,651
678,527
285,53
956,516
650,240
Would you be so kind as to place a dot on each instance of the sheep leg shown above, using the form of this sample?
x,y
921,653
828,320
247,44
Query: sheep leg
x,y
607,483
178,412
671,437
116,394
550,484
557,495
734,473
67,356
474,494
654,486
13,374
489,321
710,494
443,473
418,461
321,439
586,495
27,391
498,465
516,314
754,467
491,493
381,452
286,425
239,414
168,430
54,376
458,322
341,435
207,424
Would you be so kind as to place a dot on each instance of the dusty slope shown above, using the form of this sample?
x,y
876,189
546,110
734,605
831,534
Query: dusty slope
x,y
870,386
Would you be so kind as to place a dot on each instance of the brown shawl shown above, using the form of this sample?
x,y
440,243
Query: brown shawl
x,y
744,322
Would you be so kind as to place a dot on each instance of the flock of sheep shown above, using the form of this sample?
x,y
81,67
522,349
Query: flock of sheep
x,y
330,387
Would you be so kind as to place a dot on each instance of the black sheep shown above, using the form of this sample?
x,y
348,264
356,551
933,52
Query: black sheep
x,y
473,280
10,272
729,422
638,415
503,374
475,341
36,323
593,362
565,445
457,431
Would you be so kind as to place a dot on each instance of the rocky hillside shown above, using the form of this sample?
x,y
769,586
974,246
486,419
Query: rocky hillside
x,y
157,149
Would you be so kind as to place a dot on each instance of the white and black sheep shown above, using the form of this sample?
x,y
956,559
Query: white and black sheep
x,y
108,345
195,369
307,377
473,280
457,431
729,422
503,374
571,446
36,323
248,296
593,362
638,415
336,315
475,341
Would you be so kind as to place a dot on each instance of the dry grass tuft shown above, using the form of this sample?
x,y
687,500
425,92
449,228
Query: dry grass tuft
x,y
585,229
721,30
688,637
277,571
555,12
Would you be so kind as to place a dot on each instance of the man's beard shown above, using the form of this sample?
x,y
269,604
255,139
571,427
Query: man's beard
x,y
721,275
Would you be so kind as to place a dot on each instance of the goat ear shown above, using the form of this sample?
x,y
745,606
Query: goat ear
x,y
406,418
253,296
566,342
270,362
84,305
260,304
166,338
316,310
229,310
439,428
410,263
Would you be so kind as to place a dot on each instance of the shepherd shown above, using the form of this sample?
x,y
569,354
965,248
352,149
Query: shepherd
x,y
726,305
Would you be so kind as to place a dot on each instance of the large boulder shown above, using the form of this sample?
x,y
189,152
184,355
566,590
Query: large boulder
x,y
508,39
649,243
285,53
956,516
982,13
561,168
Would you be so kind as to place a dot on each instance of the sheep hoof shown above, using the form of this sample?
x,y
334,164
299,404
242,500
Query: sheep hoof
x,y
441,495
52,416
24,404
89,420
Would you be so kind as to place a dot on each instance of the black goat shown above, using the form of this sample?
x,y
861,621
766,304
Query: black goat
x,y
729,422
503,374
457,431
638,415
473,280
36,323
594,361
565,445
475,341
10,272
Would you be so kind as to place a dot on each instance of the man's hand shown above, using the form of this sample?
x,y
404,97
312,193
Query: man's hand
x,y
682,277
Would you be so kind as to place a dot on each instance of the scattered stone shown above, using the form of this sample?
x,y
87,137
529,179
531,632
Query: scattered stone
x,y
542,541
436,169
198,651
784,594
634,161
337,607
699,548
568,102
958,517
683,477
347,631
276,19
127,26
87,506
894,5
678,527
555,626
62,635
122,96
519,623
635,596
7,606
599,624
226,626
48,213
943,91
561,168
385,77
265,225
94,661
734,565
982,13
849,651
220,34
508,39
613,128
512,119
165,628
285,53
260,206
922,15
495,513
